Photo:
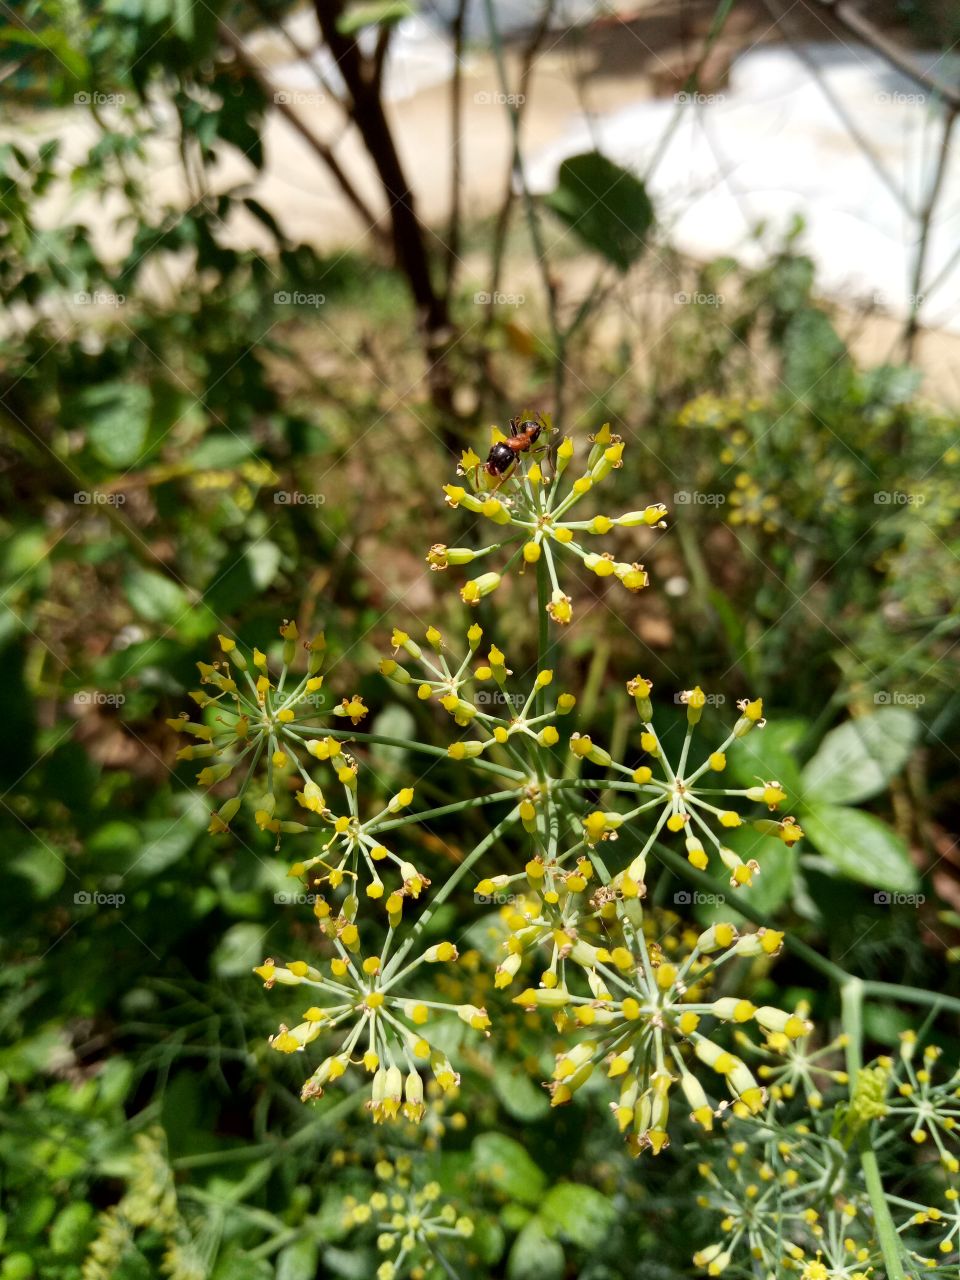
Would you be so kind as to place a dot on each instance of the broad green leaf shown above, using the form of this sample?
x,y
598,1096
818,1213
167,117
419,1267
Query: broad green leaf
x,y
858,759
769,754
861,846
534,1255
235,1265
369,13
39,864
72,1228
815,361
604,205
518,1094
239,950
117,419
298,1261
580,1214
155,597
263,561
394,721
504,1164
166,840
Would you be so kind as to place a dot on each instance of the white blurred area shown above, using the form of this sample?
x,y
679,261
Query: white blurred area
x,y
772,144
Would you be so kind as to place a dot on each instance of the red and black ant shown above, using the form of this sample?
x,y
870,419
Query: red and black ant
x,y
524,433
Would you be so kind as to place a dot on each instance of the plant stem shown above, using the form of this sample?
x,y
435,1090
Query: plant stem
x,y
543,618
408,744
448,887
851,996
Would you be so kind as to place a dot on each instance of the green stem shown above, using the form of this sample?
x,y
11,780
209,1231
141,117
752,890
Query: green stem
x,y
912,995
851,996
543,618
474,802
448,887
407,744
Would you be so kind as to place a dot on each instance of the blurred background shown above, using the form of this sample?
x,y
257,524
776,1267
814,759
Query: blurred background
x,y
267,270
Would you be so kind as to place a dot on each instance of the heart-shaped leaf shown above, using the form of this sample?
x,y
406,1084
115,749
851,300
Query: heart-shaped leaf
x,y
861,846
858,759
604,205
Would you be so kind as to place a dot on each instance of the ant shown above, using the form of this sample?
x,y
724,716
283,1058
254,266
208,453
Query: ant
x,y
503,456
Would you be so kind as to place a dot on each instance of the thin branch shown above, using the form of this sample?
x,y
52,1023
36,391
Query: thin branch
x,y
530,51
317,145
923,241
456,152
851,17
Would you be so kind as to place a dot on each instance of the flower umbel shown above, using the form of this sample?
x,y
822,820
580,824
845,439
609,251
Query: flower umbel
x,y
532,509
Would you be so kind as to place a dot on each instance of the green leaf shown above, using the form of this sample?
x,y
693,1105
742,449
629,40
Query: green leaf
x,y
117,418
394,721
580,1214
369,13
263,561
534,1255
166,840
815,360
155,597
604,205
239,950
861,846
298,1261
519,1096
235,1265
858,759
504,1164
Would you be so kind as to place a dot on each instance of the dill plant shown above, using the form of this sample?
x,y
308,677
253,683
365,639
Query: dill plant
x,y
801,1132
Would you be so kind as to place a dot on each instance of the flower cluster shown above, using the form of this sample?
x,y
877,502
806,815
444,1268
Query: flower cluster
x,y
532,510
781,1213
383,1028
682,803
248,717
656,1006
410,1222
791,1198
475,691
639,1010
